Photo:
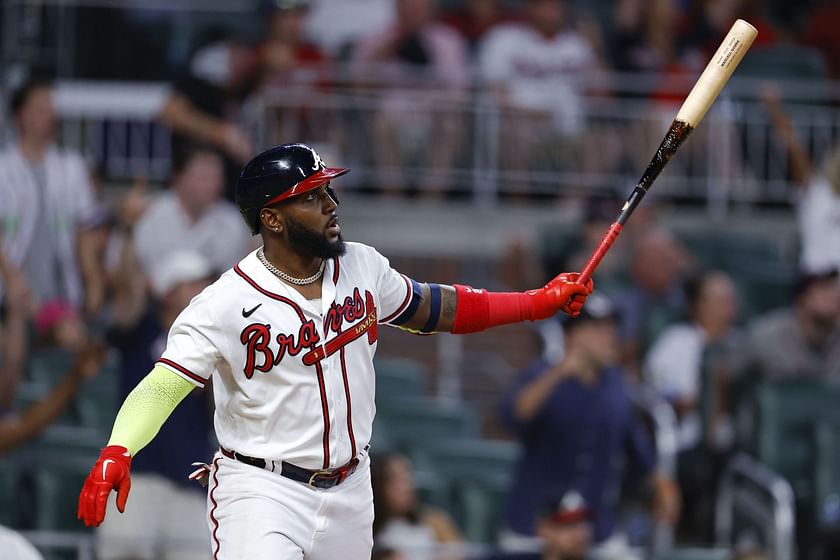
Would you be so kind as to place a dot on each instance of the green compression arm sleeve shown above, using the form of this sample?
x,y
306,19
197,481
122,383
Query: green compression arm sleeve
x,y
147,407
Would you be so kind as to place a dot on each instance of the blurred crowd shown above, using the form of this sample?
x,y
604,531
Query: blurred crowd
x,y
552,68
90,281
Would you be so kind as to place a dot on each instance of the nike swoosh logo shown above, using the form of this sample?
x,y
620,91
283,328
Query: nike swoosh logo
x,y
247,314
105,467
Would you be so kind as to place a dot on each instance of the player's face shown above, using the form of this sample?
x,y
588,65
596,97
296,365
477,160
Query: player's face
x,y
312,224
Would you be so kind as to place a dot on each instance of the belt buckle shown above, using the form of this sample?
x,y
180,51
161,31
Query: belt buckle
x,y
316,474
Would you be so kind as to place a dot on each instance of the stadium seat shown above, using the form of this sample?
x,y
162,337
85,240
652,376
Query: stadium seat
x,y
399,377
56,491
477,508
478,474
695,554
786,437
827,477
9,478
784,61
464,459
411,419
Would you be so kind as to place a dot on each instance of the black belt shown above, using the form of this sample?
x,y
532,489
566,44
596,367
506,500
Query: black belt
x,y
326,478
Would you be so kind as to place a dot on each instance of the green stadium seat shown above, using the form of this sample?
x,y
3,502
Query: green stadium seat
x,y
827,476
695,554
412,419
467,459
9,479
432,489
399,377
478,473
796,62
788,416
57,495
477,508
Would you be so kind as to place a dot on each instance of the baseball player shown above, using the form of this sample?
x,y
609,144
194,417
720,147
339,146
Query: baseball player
x,y
288,336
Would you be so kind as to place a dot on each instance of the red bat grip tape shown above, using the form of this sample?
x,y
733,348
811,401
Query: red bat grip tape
x,y
600,251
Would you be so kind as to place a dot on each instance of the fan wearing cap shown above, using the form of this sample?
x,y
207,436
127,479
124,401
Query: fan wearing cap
x,y
288,337
577,425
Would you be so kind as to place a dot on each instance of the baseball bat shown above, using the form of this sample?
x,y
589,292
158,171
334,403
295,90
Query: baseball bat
x,y
700,98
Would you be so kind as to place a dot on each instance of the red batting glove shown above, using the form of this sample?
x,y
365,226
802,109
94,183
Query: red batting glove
x,y
563,293
111,471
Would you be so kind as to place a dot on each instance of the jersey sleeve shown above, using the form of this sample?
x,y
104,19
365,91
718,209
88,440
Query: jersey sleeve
x,y
393,289
193,347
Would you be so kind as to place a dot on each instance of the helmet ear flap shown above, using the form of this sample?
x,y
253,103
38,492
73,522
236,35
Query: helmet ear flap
x,y
332,194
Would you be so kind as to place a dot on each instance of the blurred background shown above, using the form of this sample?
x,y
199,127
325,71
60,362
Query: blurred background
x,y
690,415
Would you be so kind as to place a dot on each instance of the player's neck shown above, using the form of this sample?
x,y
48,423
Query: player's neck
x,y
290,262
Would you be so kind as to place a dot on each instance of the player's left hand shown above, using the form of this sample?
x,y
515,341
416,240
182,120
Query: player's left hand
x,y
111,471
562,293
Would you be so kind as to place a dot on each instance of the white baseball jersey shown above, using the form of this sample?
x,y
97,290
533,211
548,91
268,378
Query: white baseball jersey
x,y
291,382
540,73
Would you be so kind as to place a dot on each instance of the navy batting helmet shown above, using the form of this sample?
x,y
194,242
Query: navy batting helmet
x,y
279,173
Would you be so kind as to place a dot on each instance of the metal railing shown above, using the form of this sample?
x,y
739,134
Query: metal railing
x,y
469,144
754,492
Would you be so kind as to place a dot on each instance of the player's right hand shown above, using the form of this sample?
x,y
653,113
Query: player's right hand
x,y
111,471
562,293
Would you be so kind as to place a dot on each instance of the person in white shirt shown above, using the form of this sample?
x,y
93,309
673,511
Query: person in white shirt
x,y
421,67
192,216
48,204
818,212
693,366
690,355
538,70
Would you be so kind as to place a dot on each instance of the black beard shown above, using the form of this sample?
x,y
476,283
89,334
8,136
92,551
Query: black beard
x,y
310,243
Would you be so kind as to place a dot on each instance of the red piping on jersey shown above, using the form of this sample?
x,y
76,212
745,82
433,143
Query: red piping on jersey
x,y
326,412
272,295
404,304
336,273
349,407
183,370
213,509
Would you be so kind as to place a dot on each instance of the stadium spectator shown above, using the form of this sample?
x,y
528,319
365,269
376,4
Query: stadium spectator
x,y
286,49
537,70
402,524
292,66
819,32
19,427
15,312
691,365
704,23
644,36
205,105
168,516
580,434
15,547
338,25
192,216
48,203
690,360
655,297
421,66
819,203
802,341
475,18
